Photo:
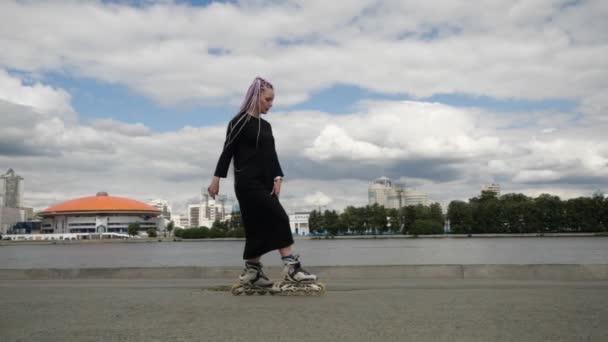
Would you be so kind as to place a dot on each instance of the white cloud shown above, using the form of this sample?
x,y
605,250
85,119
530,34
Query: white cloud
x,y
42,98
531,176
328,160
175,53
391,131
317,199
112,125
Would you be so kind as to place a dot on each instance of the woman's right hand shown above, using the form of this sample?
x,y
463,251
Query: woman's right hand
x,y
214,187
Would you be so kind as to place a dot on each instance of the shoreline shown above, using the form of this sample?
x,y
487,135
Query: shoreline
x,y
309,237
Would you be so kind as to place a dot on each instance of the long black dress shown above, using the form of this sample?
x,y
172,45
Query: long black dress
x,y
250,142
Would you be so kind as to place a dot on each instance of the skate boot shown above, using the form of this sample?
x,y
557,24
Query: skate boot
x,y
296,280
252,280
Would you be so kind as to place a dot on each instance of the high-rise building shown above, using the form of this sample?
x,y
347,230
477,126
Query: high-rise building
x,y
413,197
379,190
394,195
163,206
11,189
207,211
180,220
492,187
194,215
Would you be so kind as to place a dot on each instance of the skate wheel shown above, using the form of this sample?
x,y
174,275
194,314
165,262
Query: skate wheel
x,y
236,290
249,292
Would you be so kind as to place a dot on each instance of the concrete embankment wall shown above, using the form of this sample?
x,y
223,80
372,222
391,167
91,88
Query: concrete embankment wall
x,y
561,272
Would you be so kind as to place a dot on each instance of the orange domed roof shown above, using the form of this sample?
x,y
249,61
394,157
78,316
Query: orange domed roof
x,y
100,203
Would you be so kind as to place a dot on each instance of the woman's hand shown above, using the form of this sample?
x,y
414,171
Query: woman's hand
x,y
214,187
276,187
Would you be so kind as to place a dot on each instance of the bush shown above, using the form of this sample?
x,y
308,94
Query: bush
x,y
152,232
426,226
206,233
195,233
238,232
216,233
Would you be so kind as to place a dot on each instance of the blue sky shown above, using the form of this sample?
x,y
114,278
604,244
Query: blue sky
x,y
94,99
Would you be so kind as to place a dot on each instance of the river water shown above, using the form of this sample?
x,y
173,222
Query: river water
x,y
530,250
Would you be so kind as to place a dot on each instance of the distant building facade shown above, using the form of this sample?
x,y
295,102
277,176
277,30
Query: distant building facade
x,y
491,187
384,192
206,212
413,197
180,221
11,189
298,222
163,206
99,214
12,210
9,217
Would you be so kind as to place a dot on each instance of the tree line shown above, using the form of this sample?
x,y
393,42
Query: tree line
x,y
232,228
485,214
376,219
518,213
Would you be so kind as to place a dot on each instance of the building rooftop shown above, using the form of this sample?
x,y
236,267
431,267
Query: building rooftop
x,y
102,202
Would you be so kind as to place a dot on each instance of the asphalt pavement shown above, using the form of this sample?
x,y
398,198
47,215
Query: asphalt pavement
x,y
389,309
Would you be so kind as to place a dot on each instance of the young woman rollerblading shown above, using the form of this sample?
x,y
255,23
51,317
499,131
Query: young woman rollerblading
x,y
257,183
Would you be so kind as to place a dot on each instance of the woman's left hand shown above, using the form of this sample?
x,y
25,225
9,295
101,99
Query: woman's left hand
x,y
276,188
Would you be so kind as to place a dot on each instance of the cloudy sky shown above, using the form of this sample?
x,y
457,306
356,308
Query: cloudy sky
x,y
133,97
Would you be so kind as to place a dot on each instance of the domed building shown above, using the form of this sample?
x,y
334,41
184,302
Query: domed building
x,y
99,214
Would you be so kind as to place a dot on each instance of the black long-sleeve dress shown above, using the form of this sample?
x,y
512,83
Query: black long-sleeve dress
x,y
250,143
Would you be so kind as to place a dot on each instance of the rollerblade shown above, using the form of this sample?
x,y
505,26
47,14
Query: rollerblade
x,y
252,280
296,281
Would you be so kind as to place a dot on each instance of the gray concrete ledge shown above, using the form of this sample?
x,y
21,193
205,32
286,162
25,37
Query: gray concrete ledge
x,y
561,272
308,237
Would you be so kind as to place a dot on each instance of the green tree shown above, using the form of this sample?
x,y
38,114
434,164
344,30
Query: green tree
x,y
235,226
195,233
516,214
362,218
348,219
581,215
377,218
133,228
218,229
394,220
599,207
551,213
151,232
314,222
331,222
426,226
170,227
408,217
459,214
485,212
422,211
179,232
435,213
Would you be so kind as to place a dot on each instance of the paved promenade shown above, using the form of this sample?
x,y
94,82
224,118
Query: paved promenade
x,y
352,310
379,303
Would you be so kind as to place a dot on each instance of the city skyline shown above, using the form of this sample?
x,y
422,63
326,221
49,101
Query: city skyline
x,y
421,94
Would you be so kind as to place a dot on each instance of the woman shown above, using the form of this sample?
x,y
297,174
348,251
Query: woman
x,y
257,183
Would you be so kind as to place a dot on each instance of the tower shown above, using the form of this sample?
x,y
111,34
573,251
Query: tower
x,y
11,189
